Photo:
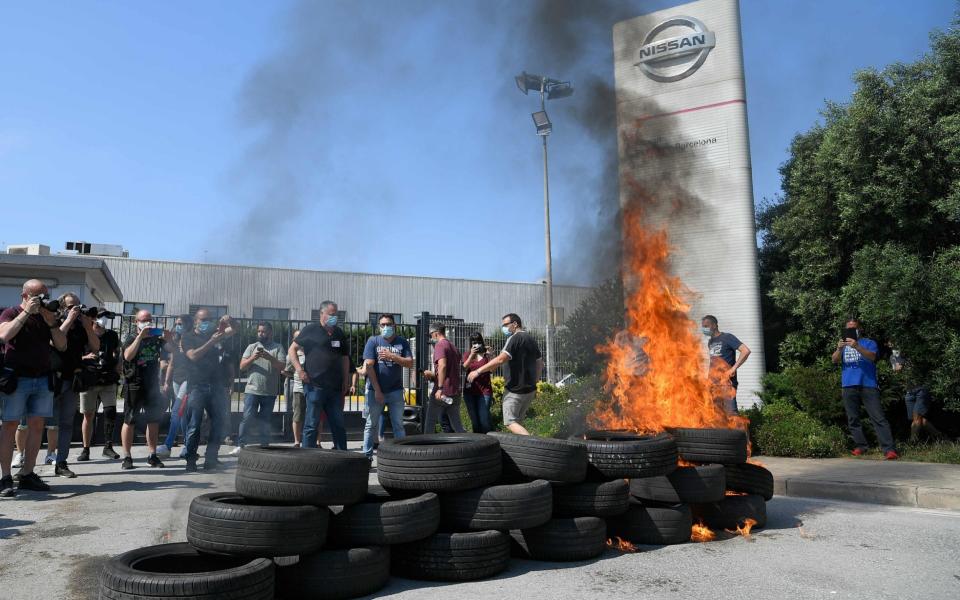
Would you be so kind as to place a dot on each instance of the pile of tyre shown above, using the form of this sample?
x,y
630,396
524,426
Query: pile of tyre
x,y
450,507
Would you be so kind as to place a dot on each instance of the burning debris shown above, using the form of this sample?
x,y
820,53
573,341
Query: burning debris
x,y
701,533
616,543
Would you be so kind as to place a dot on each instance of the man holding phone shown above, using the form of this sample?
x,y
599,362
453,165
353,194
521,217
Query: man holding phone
x,y
141,355
857,357
263,364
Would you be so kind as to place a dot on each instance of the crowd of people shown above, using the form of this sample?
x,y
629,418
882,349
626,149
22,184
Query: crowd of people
x,y
59,357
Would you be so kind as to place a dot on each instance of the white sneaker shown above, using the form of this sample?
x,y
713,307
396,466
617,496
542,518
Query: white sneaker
x,y
51,459
235,451
18,460
163,451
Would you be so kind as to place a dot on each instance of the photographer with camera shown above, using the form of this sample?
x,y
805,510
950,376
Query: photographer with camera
x,y
108,368
27,333
478,395
141,355
77,324
857,357
263,360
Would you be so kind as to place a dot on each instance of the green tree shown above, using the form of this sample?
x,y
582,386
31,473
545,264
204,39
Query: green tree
x,y
869,220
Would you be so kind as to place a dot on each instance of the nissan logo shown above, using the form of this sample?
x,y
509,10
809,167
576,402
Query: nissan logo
x,y
675,58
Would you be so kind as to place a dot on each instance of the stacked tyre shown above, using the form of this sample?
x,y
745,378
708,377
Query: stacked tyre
x,y
282,507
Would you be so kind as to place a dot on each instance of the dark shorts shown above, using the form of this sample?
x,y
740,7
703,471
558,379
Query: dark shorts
x,y
150,401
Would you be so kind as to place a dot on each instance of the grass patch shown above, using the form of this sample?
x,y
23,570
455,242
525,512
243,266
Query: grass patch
x,y
931,452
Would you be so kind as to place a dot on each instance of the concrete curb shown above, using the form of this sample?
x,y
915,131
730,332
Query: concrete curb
x,y
872,493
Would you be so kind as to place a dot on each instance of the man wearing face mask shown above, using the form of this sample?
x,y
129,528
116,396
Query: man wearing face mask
x,y
175,384
384,356
325,373
445,396
263,363
205,348
109,369
724,362
525,366
27,333
81,340
142,353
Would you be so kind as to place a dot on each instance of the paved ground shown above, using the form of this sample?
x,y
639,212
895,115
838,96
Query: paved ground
x,y
52,546
923,485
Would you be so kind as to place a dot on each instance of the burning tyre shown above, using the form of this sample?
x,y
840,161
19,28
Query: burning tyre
x,y
733,512
723,446
562,540
653,524
705,483
623,454
750,479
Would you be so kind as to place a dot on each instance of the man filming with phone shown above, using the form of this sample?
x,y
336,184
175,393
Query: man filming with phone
x,y
141,355
857,357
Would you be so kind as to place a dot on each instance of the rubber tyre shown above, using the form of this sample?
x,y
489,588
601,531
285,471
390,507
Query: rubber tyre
x,y
723,446
620,454
336,574
653,525
500,507
384,520
527,457
705,483
439,462
562,540
732,512
453,556
171,571
750,479
302,475
227,523
591,499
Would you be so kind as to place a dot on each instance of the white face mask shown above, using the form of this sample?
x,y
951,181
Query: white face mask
x,y
103,322
142,326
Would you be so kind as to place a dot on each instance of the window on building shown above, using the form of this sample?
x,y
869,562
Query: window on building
x,y
262,313
315,315
131,308
215,311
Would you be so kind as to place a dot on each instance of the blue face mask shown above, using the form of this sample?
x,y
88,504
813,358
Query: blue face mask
x,y
332,321
178,329
506,331
387,331
706,331
204,326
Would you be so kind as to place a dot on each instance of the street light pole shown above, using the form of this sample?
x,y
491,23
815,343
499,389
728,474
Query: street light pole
x,y
546,232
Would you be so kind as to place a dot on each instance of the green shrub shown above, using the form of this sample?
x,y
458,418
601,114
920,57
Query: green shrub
x,y
815,390
786,431
560,412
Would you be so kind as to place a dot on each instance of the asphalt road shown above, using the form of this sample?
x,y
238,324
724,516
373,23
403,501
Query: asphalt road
x,y
52,546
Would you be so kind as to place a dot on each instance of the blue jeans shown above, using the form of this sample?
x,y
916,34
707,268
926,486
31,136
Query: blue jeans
x,y
65,408
210,398
330,401
256,411
32,398
179,391
478,407
374,421
918,402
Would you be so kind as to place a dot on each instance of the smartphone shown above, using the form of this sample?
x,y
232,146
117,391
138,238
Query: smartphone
x,y
850,333
155,331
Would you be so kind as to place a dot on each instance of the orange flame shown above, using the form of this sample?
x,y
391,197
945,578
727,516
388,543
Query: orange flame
x,y
755,462
733,493
621,545
744,529
686,463
702,533
657,375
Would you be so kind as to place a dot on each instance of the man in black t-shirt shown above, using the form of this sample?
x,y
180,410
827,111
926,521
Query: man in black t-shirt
x,y
109,368
525,365
325,373
205,348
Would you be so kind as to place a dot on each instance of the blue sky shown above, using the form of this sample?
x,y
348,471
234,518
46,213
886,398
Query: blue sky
x,y
362,136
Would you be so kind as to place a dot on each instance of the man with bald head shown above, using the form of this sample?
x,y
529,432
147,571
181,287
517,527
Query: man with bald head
x,y
141,358
27,332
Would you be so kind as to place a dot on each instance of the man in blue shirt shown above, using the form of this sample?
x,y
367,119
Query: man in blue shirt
x,y
857,357
385,357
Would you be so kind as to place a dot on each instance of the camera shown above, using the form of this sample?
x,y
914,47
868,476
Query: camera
x,y
48,304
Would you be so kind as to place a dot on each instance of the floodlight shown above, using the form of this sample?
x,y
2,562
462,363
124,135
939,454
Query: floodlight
x,y
542,121
559,90
528,81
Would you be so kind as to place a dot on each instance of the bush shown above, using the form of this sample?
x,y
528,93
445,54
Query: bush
x,y
814,390
785,431
560,412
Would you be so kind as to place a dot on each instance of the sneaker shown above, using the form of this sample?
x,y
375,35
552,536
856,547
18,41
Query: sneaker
x,y
18,460
127,464
858,452
61,470
191,466
212,465
109,452
6,487
163,451
31,481
235,451
153,461
891,455
51,459
84,455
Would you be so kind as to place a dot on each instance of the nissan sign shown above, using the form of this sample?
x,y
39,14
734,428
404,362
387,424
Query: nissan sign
x,y
675,58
